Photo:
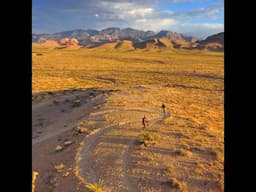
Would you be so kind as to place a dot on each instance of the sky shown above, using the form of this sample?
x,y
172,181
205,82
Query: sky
x,y
199,18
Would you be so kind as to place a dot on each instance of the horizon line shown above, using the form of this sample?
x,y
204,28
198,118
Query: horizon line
x,y
157,31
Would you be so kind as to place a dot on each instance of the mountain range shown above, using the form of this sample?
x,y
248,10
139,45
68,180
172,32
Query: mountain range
x,y
111,34
116,38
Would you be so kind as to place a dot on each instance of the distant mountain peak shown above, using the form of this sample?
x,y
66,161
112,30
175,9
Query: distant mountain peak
x,y
164,38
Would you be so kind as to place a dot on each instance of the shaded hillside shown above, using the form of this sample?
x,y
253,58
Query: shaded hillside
x,y
149,44
125,44
128,38
217,38
213,42
111,34
78,34
47,43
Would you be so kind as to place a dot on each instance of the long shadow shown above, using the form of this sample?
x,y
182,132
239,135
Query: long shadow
x,y
184,73
58,107
161,151
61,102
44,95
206,184
157,183
152,182
126,140
116,140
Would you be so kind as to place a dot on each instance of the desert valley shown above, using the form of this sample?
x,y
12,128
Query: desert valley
x,y
90,91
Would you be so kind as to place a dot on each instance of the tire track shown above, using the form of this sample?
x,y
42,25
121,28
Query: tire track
x,y
126,160
84,164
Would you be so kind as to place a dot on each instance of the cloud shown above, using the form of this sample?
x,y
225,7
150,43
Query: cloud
x,y
212,12
186,1
58,15
125,10
153,24
201,30
139,16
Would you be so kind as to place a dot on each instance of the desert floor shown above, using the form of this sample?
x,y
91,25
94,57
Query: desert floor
x,y
87,110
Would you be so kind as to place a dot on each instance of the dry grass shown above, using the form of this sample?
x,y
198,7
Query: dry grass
x,y
190,83
178,184
95,187
218,154
147,138
184,153
63,69
170,168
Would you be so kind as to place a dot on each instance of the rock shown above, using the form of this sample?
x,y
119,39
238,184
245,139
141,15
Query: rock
x,y
66,174
39,131
66,143
59,166
69,42
58,148
174,182
64,41
82,130
74,41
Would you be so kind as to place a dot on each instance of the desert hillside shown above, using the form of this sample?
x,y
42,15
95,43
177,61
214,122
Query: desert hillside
x,y
116,38
213,42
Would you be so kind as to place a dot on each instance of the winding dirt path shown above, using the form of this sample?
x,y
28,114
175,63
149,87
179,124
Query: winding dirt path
x,y
127,153
53,119
86,158
110,151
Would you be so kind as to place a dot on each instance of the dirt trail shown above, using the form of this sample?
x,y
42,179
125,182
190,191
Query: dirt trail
x,y
120,139
126,156
110,151
53,119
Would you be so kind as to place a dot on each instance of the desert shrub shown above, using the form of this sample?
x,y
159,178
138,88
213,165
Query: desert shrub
x,y
146,136
219,156
95,187
169,168
183,152
58,148
178,184
76,103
